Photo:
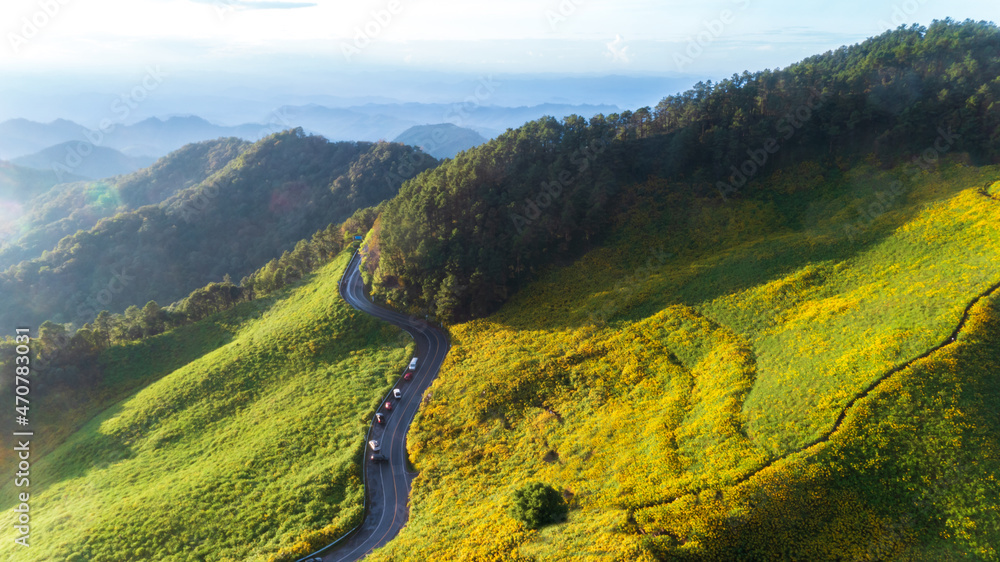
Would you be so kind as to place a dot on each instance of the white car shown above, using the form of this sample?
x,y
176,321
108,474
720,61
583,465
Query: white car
x,y
397,392
413,364
375,445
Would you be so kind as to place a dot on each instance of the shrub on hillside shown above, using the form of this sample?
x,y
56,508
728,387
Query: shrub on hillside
x,y
537,505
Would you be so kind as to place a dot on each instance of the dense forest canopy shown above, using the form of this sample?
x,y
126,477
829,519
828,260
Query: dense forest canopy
x,y
461,237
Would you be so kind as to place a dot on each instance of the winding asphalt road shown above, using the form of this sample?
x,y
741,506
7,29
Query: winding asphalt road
x,y
387,484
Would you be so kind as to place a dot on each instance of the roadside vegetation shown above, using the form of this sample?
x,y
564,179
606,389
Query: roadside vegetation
x,y
243,443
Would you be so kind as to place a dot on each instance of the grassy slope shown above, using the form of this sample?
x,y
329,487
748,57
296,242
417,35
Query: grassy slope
x,y
251,446
651,377
122,375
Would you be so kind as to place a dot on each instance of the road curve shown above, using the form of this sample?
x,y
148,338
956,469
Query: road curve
x,y
388,484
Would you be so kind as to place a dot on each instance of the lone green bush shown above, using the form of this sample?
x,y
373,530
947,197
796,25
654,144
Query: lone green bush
x,y
537,505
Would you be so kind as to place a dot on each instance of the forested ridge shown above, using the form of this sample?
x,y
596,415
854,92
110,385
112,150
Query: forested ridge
x,y
67,208
274,193
460,238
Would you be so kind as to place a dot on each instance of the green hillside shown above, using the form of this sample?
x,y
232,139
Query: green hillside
x,y
652,380
257,205
244,439
68,207
17,186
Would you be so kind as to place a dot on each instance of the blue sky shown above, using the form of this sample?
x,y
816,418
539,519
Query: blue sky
x,y
59,47
563,36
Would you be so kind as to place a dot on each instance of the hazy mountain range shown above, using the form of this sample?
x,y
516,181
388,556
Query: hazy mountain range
x,y
101,162
155,137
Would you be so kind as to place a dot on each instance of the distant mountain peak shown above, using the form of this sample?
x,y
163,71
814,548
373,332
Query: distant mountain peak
x,y
441,140
99,162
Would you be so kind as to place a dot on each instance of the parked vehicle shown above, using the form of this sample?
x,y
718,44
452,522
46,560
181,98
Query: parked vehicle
x,y
375,445
397,393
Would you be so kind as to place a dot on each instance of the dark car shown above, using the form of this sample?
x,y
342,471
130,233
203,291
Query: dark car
x,y
377,458
380,418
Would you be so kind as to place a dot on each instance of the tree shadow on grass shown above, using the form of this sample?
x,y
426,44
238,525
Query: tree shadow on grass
x,y
699,271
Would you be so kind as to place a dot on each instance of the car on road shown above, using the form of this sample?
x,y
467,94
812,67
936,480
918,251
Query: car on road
x,y
388,405
397,393
377,458
313,559
375,445
379,417
407,375
413,364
